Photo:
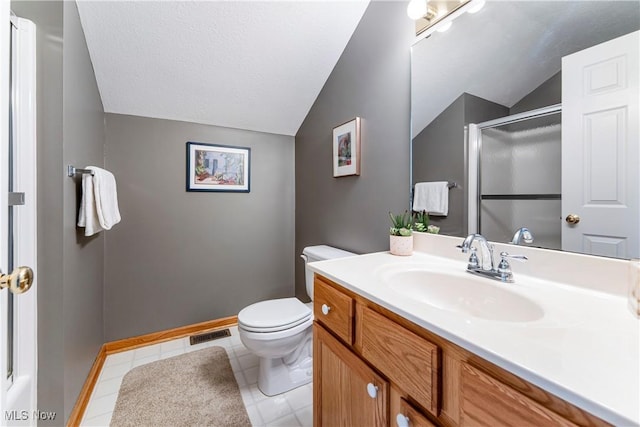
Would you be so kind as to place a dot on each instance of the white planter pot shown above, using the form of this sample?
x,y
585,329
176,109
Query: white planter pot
x,y
401,245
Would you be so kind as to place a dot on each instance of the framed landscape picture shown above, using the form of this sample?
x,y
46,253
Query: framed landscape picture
x,y
212,167
346,148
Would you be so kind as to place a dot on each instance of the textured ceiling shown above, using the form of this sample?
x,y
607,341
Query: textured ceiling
x,y
508,49
249,65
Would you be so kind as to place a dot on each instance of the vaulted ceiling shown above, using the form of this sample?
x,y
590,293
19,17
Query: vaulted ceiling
x,y
255,65
508,49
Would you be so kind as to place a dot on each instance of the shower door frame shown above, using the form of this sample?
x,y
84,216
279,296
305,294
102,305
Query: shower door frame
x,y
474,150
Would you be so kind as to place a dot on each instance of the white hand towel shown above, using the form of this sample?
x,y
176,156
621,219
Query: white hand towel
x,y
99,205
432,197
88,216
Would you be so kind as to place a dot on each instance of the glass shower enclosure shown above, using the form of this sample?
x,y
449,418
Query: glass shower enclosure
x,y
516,163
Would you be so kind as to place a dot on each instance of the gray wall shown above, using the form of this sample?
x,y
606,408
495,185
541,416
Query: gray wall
x,y
371,80
548,93
83,264
439,154
182,257
70,267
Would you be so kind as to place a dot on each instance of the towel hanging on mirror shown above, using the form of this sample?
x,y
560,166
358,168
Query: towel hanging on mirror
x,y
432,197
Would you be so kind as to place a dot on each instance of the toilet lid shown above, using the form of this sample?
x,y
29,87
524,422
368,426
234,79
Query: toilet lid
x,y
274,315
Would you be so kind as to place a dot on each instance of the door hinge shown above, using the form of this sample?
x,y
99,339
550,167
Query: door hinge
x,y
16,199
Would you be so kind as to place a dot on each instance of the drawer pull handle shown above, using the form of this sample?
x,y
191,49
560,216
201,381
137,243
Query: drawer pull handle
x,y
402,420
372,390
325,309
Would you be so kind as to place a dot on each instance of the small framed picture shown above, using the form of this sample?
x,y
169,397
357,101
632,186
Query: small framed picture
x,y
212,167
346,148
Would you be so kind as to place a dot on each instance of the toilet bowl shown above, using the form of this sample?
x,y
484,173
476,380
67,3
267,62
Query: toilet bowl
x,y
278,331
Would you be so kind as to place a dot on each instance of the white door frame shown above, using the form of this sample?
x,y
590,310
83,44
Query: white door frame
x,y
19,393
4,201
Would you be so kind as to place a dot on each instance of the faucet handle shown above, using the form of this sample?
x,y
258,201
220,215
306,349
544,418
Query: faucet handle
x,y
505,255
504,269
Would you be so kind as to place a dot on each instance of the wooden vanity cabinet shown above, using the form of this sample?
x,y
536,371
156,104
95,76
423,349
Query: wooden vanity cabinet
x,y
487,402
357,353
419,375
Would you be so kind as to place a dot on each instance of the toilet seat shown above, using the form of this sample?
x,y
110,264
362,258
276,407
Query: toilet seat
x,y
274,315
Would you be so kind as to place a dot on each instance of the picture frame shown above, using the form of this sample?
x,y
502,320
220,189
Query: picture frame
x,y
215,167
346,149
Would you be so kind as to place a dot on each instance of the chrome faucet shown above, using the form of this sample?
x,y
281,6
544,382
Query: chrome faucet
x,y
486,268
522,235
486,250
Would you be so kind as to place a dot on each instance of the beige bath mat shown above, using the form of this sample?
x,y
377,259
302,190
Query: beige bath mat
x,y
193,389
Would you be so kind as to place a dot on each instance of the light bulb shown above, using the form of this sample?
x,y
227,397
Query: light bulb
x,y
416,9
445,26
477,5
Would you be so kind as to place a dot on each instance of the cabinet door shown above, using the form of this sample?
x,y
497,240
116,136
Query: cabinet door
x,y
488,402
346,392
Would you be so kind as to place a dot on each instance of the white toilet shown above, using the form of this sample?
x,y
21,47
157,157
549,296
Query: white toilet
x,y
278,331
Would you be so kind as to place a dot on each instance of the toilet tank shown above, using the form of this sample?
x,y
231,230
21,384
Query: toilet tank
x,y
319,253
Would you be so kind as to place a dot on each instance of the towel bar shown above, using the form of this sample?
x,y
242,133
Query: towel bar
x,y
72,171
450,185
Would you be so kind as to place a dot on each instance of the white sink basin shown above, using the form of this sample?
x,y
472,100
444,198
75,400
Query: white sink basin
x,y
463,293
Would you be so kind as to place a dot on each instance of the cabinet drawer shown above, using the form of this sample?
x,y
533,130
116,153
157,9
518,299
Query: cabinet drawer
x,y
488,402
408,360
333,309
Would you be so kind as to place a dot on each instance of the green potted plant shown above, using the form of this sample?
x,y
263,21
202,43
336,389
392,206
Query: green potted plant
x,y
400,234
421,223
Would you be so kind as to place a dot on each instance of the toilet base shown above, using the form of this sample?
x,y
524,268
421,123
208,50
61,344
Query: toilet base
x,y
276,377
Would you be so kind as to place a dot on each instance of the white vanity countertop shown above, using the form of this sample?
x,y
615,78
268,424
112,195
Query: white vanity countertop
x,y
584,349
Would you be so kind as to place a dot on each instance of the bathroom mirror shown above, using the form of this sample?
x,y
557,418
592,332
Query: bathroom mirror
x,y
503,60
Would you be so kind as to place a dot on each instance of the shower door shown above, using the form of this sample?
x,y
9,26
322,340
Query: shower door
x,y
515,164
18,360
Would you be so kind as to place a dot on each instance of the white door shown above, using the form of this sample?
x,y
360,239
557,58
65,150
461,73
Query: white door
x,y
18,358
600,149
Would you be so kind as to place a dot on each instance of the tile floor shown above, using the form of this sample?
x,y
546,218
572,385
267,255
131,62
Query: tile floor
x,y
292,409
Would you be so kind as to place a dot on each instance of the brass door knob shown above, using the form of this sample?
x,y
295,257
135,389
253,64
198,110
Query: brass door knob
x,y
572,219
19,281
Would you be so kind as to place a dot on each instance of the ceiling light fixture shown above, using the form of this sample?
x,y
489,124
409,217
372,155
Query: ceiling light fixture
x,y
476,6
444,26
416,9
440,14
